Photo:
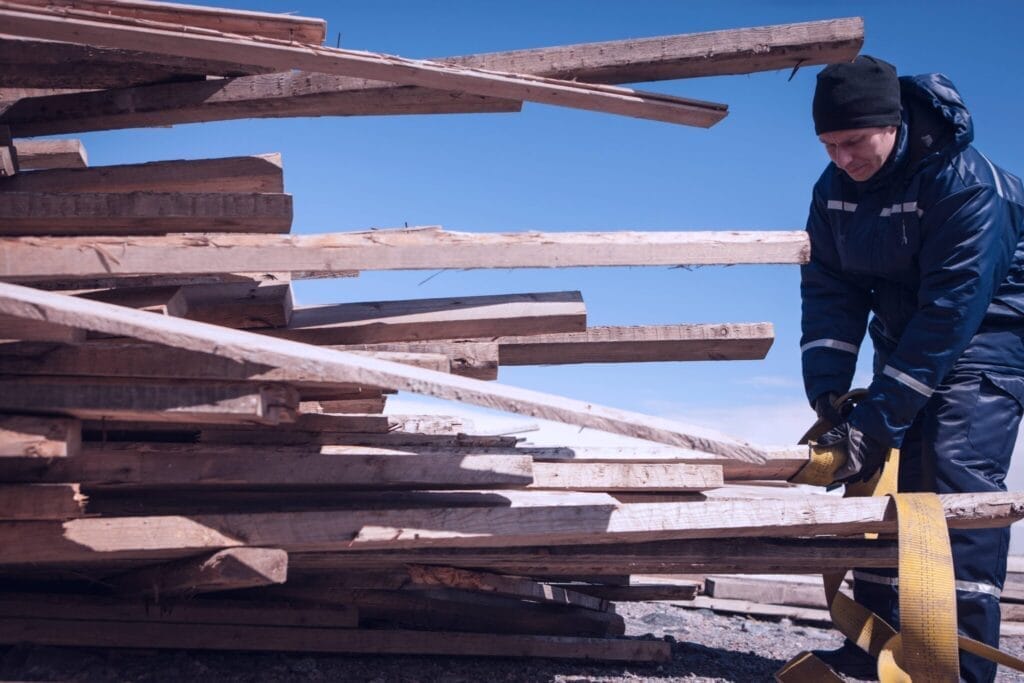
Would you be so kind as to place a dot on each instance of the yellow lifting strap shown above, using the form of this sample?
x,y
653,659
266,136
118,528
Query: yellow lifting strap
x,y
925,649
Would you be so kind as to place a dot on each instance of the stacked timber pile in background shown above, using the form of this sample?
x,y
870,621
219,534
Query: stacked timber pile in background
x,y
175,429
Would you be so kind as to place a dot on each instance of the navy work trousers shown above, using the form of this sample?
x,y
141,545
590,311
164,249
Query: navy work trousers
x,y
961,442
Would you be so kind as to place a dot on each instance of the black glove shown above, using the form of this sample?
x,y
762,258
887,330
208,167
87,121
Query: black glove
x,y
864,455
825,407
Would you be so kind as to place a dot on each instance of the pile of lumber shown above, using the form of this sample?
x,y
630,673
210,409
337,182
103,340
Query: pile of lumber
x,y
190,458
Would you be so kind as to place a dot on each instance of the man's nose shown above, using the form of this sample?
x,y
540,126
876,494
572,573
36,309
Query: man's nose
x,y
843,157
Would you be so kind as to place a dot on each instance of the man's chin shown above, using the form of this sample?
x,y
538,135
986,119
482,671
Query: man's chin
x,y
861,174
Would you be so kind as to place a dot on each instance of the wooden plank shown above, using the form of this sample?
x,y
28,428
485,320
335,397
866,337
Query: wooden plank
x,y
252,174
129,614
767,591
654,558
163,300
242,305
344,367
84,540
779,464
39,437
43,154
276,95
124,358
331,640
283,56
151,400
19,329
651,343
76,283
613,477
355,405
262,467
639,592
510,586
142,213
230,569
41,501
266,24
428,319
690,55
44,64
415,249
310,94
756,609
469,359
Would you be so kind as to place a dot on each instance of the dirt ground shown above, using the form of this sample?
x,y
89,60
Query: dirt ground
x,y
705,647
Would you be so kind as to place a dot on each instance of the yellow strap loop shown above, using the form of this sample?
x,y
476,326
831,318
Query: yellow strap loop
x,y
926,647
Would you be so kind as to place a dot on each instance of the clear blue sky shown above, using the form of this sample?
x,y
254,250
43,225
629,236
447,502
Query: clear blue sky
x,y
556,169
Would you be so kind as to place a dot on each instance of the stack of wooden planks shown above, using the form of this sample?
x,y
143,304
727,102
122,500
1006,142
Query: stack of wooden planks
x,y
175,430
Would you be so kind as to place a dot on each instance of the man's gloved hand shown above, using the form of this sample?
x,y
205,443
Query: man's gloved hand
x,y
864,455
825,407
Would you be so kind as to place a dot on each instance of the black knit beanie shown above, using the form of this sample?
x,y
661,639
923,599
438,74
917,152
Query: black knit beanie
x,y
864,93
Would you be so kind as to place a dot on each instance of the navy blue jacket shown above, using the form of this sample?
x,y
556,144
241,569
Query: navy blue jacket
x,y
931,245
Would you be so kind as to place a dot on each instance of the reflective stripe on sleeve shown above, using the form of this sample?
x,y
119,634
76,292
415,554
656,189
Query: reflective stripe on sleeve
x,y
908,381
831,344
837,205
905,207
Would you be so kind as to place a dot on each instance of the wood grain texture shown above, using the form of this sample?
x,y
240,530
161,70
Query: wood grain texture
x,y
253,174
615,477
429,319
338,366
243,22
261,467
41,501
640,344
422,249
142,213
65,65
153,400
231,569
39,437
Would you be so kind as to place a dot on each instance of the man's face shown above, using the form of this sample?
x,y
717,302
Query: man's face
x,y
859,152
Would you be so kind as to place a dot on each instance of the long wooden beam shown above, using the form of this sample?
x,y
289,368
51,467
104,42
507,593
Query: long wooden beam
x,y
244,22
338,640
763,555
103,539
308,94
142,213
428,319
283,56
131,359
650,343
57,65
251,174
428,249
339,366
152,400
264,468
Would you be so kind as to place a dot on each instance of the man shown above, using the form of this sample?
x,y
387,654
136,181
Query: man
x,y
913,225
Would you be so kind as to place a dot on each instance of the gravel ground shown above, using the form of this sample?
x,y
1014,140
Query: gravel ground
x,y
705,647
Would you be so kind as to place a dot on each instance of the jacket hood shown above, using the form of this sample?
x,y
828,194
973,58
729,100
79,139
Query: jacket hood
x,y
936,113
